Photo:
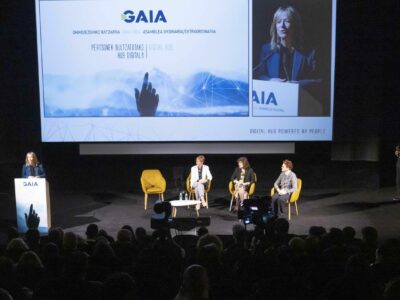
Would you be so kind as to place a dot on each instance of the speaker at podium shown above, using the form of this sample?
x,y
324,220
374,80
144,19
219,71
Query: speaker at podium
x,y
35,192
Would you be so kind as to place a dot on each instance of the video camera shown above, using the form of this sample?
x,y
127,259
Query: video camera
x,y
256,211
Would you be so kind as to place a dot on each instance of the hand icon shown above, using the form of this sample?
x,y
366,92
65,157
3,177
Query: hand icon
x,y
32,219
146,99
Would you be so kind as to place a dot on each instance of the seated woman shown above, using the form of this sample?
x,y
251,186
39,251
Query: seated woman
x,y
242,178
32,167
199,176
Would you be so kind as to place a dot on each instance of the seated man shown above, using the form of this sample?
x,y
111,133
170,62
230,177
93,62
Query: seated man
x,y
284,186
199,176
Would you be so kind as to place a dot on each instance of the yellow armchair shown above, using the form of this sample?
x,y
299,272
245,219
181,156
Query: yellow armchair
x,y
152,183
232,190
293,197
191,191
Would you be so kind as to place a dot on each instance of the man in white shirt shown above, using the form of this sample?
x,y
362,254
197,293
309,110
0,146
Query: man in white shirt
x,y
199,176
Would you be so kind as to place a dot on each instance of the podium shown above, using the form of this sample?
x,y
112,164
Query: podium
x,y
283,99
33,191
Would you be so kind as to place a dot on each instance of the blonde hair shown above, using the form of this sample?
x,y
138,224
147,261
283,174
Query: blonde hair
x,y
35,160
295,19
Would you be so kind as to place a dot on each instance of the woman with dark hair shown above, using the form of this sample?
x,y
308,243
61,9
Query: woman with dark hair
x,y
32,167
284,58
242,178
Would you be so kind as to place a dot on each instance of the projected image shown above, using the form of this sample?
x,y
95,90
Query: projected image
x,y
147,59
292,58
186,70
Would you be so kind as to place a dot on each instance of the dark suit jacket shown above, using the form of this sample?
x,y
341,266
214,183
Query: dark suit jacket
x,y
248,175
303,70
38,171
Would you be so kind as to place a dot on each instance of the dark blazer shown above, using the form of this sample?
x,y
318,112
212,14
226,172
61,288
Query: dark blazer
x,y
303,69
248,175
38,171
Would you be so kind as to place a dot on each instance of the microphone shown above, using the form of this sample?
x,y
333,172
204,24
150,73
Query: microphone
x,y
284,64
266,57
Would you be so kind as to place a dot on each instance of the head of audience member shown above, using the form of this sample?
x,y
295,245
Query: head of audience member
x,y
119,286
370,236
76,265
128,227
286,29
70,242
92,231
200,160
392,290
194,283
56,236
15,248
124,235
349,233
12,233
240,235
32,238
30,259
103,251
50,251
317,231
5,295
208,256
335,236
202,231
297,245
104,233
281,226
243,163
211,239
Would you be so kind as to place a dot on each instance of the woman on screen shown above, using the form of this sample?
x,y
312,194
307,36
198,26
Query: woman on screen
x,y
283,58
242,178
32,167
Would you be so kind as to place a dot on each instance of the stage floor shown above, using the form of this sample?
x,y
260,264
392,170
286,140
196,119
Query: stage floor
x,y
73,211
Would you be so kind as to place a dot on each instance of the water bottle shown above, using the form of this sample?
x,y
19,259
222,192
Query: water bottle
x,y
186,196
180,195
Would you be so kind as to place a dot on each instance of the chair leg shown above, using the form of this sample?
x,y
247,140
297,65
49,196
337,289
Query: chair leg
x,y
206,197
145,201
162,196
197,212
297,211
230,207
289,211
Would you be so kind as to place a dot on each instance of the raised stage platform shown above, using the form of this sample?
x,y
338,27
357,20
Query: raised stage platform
x,y
111,210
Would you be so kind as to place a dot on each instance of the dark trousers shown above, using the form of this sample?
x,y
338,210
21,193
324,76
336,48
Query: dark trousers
x,y
277,202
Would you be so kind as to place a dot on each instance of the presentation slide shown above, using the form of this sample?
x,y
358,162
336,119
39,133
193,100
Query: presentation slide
x,y
185,70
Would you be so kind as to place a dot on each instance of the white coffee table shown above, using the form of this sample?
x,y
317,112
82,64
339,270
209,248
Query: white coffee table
x,y
179,203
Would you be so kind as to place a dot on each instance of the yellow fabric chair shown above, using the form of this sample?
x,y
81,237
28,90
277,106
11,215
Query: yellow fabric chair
x,y
293,197
232,190
152,183
191,191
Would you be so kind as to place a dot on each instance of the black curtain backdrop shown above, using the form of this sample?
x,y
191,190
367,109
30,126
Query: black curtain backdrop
x,y
366,107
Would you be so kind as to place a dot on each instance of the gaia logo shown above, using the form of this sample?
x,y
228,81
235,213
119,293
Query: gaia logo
x,y
30,183
143,17
271,99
